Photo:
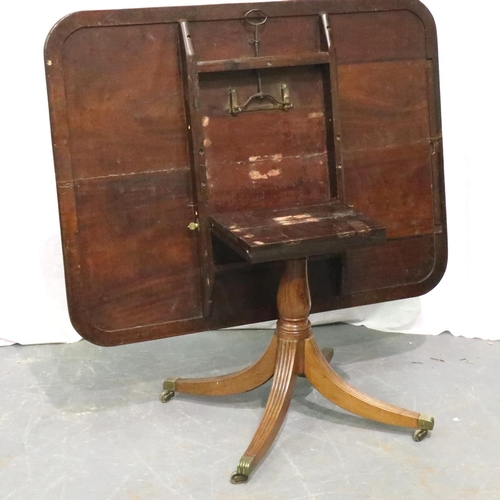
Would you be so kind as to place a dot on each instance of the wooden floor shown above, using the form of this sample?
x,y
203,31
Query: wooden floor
x,y
79,421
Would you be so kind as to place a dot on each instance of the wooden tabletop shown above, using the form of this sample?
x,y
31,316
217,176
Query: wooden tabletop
x,y
149,143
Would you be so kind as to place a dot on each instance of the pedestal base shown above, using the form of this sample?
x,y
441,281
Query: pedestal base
x,y
293,351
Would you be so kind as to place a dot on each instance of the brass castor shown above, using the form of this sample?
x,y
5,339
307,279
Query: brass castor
x,y
425,424
237,478
166,396
420,434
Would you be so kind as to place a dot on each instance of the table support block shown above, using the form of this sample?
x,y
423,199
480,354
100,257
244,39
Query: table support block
x,y
293,352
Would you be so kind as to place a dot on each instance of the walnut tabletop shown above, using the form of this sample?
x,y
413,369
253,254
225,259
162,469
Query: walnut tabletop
x,y
297,232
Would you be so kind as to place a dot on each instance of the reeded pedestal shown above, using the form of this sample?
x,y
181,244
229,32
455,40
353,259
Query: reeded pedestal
x,y
293,351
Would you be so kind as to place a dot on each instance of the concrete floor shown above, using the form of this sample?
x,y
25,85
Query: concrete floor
x,y
82,422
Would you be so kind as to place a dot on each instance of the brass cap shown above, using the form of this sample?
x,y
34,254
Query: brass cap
x,y
169,384
426,422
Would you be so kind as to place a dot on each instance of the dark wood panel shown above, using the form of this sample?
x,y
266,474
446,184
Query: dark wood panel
x,y
378,36
124,100
393,186
270,182
383,104
245,294
118,115
136,250
259,159
278,36
263,62
399,262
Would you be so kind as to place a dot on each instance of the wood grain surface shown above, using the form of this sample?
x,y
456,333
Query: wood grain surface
x,y
144,146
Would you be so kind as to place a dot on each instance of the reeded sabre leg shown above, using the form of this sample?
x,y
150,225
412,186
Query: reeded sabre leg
x,y
275,412
294,304
338,391
234,383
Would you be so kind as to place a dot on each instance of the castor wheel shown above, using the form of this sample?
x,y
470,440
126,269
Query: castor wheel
x,y
237,478
166,396
420,434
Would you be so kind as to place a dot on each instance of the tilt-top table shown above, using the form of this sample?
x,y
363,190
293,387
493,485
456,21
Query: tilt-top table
x,y
228,164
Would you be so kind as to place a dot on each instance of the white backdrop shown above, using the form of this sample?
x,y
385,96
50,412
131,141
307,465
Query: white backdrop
x,y
466,300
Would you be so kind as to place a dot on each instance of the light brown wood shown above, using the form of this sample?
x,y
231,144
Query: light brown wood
x,y
338,391
234,383
294,305
277,406
294,301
